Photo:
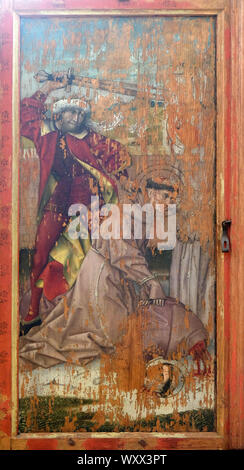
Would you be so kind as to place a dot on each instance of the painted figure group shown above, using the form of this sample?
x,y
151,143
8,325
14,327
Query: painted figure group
x,y
100,283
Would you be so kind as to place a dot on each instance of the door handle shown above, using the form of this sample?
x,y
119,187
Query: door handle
x,y
225,240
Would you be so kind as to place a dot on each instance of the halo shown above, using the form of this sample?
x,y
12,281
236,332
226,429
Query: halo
x,y
178,374
159,172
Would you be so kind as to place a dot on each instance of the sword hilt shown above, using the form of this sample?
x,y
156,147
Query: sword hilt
x,y
43,76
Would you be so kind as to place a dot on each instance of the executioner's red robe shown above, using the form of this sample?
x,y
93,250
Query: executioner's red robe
x,y
60,155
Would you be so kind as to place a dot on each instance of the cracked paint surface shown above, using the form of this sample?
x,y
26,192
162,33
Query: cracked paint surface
x,y
171,120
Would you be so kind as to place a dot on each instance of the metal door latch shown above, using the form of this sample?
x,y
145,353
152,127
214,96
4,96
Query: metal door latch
x,y
225,241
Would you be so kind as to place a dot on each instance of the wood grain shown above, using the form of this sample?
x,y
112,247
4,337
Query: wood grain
x,y
235,328
121,441
5,221
91,5
230,327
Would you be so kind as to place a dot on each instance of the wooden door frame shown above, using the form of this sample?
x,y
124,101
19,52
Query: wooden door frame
x,y
230,205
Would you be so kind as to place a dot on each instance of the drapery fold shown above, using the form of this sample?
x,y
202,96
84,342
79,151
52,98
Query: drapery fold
x,y
191,280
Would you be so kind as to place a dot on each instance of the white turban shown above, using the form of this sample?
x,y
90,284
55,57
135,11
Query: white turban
x,y
75,103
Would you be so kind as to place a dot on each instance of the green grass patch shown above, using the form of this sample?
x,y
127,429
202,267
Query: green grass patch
x,y
51,414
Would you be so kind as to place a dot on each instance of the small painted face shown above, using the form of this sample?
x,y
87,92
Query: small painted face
x,y
161,196
72,120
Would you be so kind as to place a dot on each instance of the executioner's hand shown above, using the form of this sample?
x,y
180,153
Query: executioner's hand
x,y
52,82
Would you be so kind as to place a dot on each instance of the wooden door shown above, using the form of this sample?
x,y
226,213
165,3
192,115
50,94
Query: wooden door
x,y
136,338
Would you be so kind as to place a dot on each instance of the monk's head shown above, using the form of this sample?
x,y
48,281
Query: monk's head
x,y
162,192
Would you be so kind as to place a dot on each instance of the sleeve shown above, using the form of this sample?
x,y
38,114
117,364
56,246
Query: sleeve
x,y
116,159
31,115
113,156
126,256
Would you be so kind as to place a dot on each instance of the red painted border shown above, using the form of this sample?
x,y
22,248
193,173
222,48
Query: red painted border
x,y
227,211
5,222
105,5
234,208
236,284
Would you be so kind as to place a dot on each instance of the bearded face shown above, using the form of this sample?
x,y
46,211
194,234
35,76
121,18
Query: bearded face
x,y
71,120
161,196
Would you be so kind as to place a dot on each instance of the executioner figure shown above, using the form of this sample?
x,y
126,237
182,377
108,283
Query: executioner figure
x,y
75,163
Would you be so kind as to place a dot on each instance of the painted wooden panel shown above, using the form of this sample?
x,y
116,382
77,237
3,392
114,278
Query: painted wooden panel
x,y
156,97
129,374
